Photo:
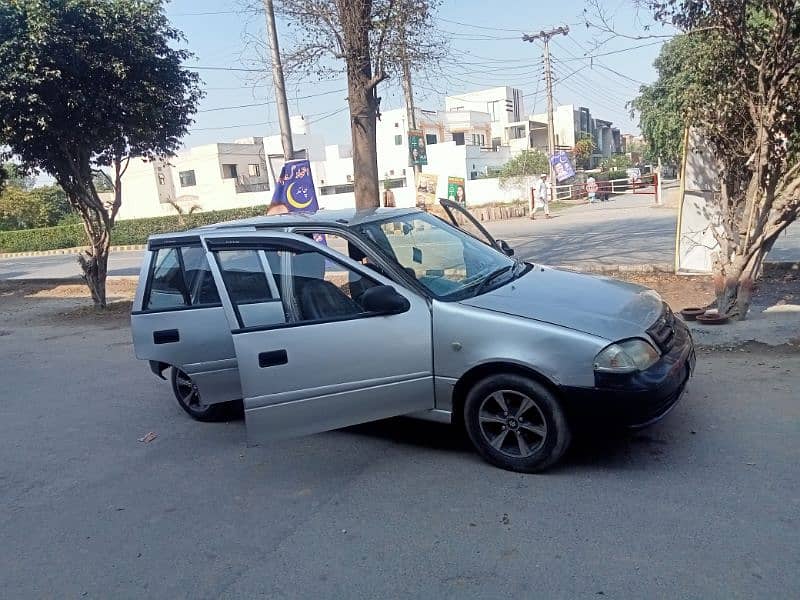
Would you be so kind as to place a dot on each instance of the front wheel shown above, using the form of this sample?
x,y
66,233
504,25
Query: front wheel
x,y
516,423
188,396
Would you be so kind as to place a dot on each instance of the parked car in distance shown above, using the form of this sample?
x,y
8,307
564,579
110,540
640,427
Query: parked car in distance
x,y
321,321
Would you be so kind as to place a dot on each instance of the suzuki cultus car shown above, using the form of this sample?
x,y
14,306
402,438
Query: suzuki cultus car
x,y
317,322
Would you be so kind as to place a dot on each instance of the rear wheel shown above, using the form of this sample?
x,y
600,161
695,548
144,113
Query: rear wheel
x,y
188,396
516,423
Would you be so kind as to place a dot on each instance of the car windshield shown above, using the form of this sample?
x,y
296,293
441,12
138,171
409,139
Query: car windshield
x,y
451,264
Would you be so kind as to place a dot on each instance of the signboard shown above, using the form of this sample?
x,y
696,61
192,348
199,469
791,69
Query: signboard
x,y
426,189
295,187
456,190
562,166
634,174
698,214
417,155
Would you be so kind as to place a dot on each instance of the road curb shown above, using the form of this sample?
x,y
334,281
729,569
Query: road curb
x,y
646,268
62,251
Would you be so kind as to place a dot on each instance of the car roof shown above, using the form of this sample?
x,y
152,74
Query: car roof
x,y
345,217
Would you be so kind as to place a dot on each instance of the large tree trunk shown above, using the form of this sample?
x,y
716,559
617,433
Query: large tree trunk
x,y
734,282
355,16
365,149
94,263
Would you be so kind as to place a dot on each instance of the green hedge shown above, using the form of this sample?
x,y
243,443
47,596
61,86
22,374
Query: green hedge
x,y
133,231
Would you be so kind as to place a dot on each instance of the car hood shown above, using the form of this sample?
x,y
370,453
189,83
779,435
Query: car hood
x,y
599,306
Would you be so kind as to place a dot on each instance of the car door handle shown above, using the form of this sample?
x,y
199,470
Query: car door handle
x,y
273,358
166,336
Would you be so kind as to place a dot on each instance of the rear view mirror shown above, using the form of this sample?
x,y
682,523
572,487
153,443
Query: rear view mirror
x,y
384,300
505,248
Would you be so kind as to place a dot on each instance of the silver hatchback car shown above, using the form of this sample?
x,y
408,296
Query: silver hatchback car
x,y
321,321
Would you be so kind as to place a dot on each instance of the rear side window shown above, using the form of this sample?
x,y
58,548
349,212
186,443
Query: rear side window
x,y
181,279
167,288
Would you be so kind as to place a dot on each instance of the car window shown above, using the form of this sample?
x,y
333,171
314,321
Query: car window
x,y
316,287
198,277
167,287
247,280
447,261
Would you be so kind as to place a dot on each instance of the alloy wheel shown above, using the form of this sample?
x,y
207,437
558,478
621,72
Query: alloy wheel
x,y
512,423
188,393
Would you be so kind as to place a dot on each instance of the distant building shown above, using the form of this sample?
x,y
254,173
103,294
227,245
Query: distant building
x,y
476,134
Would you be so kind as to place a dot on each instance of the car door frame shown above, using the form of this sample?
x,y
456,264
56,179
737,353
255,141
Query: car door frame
x,y
288,412
449,206
216,378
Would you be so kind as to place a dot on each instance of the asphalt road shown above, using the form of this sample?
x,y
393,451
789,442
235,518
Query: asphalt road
x,y
627,230
703,505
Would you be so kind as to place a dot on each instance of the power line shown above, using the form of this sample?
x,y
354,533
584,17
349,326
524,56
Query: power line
x,y
262,123
484,27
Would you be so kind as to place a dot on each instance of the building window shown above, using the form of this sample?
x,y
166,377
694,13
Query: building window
x,y
398,140
478,139
327,190
229,172
187,178
254,170
458,138
430,138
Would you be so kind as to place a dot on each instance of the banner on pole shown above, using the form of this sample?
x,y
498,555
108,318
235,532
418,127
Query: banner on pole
x,y
416,148
295,187
562,166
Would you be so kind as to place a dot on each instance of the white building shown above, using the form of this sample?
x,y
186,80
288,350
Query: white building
x,y
476,134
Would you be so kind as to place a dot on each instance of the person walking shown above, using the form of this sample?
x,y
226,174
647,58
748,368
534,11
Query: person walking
x,y
542,197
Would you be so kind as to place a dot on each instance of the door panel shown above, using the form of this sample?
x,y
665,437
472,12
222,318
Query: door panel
x,y
323,367
203,346
335,374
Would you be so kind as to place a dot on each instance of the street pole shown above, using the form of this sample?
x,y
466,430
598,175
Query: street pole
x,y
545,36
411,115
277,79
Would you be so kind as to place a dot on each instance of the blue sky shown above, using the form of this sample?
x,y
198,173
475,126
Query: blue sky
x,y
487,51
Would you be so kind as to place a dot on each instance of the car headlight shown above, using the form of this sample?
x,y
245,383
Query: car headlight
x,y
626,357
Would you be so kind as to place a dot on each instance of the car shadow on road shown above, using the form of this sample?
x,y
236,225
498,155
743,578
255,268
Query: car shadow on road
x,y
613,448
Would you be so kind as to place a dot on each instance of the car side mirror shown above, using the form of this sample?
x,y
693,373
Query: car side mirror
x,y
384,300
505,248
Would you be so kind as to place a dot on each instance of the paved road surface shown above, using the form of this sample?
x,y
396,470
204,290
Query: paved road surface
x,y
703,505
624,231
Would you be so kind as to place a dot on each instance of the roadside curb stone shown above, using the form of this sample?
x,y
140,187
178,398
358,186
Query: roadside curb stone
x,y
63,251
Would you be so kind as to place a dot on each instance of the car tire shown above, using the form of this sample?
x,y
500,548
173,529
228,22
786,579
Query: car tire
x,y
516,423
188,398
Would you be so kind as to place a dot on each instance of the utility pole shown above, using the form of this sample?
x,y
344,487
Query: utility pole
x,y
277,79
408,93
545,36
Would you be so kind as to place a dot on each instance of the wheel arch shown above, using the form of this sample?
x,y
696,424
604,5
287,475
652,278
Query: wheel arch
x,y
478,372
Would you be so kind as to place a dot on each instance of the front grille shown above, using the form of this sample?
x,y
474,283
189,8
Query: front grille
x,y
663,330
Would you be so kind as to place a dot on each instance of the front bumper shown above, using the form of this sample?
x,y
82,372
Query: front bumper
x,y
641,398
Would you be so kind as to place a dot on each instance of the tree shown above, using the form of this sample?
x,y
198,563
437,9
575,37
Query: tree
x,y
87,84
616,162
743,98
372,37
583,150
37,207
663,106
12,175
521,171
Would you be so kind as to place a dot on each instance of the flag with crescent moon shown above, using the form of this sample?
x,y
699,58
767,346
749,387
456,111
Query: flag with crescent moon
x,y
295,187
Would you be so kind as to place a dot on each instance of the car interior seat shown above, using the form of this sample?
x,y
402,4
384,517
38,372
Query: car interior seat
x,y
317,298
